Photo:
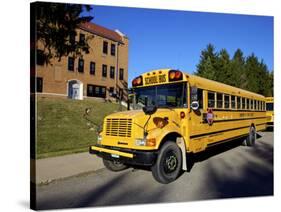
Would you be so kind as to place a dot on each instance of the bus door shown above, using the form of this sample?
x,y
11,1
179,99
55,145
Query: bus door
x,y
198,119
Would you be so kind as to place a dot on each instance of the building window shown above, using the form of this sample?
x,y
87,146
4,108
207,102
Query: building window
x,y
70,63
112,49
121,74
40,58
211,99
111,91
72,38
39,84
90,90
92,68
96,91
81,65
104,70
112,71
105,47
82,38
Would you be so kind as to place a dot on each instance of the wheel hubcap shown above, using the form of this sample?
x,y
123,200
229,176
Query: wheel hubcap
x,y
170,162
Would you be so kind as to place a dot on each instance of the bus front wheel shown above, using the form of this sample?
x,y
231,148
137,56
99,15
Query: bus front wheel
x,y
168,164
113,165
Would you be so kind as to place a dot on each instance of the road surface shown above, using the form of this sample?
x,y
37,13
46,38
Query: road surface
x,y
226,171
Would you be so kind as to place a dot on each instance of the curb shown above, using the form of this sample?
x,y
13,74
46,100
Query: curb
x,y
61,167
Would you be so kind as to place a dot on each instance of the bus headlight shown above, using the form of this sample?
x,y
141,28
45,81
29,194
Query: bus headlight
x,y
99,139
145,142
140,142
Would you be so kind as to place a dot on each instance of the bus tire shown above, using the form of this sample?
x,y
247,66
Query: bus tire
x,y
168,164
251,139
114,165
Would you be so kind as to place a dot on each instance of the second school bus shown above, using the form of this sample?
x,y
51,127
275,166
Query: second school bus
x,y
175,113
270,111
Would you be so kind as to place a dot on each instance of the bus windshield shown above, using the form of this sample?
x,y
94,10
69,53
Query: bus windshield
x,y
162,96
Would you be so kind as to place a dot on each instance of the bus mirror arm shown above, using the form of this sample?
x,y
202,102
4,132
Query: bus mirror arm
x,y
148,110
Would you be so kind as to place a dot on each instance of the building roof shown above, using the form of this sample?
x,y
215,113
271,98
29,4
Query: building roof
x,y
101,31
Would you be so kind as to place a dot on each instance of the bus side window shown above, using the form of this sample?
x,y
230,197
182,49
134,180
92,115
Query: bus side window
x,y
233,102
248,104
211,99
238,102
219,100
226,101
243,103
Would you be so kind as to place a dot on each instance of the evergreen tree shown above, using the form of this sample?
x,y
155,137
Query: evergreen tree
x,y
250,73
208,63
238,70
223,71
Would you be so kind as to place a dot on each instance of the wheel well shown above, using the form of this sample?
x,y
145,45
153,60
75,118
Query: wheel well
x,y
169,137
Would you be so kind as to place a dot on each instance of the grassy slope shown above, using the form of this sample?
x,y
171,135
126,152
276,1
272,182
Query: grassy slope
x,y
61,128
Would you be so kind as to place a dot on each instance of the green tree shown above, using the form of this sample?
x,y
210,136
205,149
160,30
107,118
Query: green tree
x,y
250,73
237,69
56,25
208,63
223,71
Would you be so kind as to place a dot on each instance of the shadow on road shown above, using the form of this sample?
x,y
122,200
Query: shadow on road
x,y
253,177
241,172
211,152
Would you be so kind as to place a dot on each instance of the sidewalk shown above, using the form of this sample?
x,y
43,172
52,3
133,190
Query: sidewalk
x,y
53,168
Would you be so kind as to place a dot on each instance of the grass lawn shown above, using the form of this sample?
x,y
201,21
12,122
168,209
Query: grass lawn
x,y
61,128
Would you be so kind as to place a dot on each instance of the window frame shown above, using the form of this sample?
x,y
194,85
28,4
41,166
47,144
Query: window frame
x,y
224,102
92,68
104,70
112,72
121,76
217,101
82,38
105,47
68,64
80,70
112,49
209,101
233,108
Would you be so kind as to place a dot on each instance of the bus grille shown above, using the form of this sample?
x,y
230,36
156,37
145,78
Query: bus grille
x,y
118,127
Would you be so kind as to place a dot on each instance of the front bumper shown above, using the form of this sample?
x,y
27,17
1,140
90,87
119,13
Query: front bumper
x,y
127,156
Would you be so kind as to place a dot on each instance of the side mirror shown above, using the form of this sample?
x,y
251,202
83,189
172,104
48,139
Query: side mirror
x,y
149,110
194,105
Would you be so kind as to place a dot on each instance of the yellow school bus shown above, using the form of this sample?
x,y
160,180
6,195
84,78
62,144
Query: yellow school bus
x,y
175,113
270,111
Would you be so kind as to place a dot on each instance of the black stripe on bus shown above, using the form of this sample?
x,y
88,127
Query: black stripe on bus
x,y
225,120
223,141
211,133
240,119
234,110
221,131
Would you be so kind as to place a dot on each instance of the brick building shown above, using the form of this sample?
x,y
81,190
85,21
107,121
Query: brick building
x,y
100,73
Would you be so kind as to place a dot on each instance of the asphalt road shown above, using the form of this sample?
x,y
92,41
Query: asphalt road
x,y
226,171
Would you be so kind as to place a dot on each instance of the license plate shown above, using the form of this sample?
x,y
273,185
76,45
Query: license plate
x,y
115,156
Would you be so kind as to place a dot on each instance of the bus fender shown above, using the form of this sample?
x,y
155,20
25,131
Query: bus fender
x,y
181,145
